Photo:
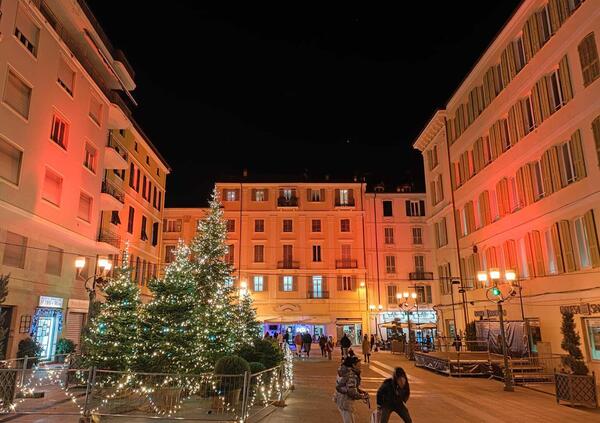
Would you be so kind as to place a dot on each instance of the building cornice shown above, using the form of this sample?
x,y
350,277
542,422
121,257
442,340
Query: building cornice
x,y
433,127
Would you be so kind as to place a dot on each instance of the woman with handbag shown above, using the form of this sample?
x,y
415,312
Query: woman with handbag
x,y
347,389
366,348
392,396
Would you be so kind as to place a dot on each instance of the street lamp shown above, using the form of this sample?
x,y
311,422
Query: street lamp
x,y
498,297
103,265
407,308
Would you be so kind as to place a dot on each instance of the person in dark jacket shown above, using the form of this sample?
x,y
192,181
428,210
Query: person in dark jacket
x,y
307,343
345,343
372,341
392,396
322,344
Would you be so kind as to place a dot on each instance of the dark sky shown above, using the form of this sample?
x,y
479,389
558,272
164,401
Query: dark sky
x,y
335,89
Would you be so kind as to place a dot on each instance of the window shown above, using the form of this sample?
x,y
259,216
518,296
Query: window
x,y
445,280
415,208
96,113
423,294
147,160
172,225
25,323
556,92
345,225
538,182
588,57
592,327
316,253
230,194
10,162
544,26
582,243
388,235
288,283
551,257
130,220
258,283
390,264
155,229
419,264
417,234
344,197
143,234
52,189
519,54
288,255
346,283
26,31
387,208
229,255
316,195
54,260
528,120
66,76
169,253
316,225
287,225
85,207
17,94
89,161
137,180
346,253
259,225
230,225
392,290
441,233
317,286
566,159
14,250
131,175
60,131
259,195
287,193
114,218
144,188
259,254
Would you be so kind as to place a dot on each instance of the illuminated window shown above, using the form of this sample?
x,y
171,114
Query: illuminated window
x,y
288,283
593,334
258,283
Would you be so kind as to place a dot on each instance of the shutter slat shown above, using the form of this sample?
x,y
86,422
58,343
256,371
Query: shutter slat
x,y
558,256
565,79
567,244
577,152
592,237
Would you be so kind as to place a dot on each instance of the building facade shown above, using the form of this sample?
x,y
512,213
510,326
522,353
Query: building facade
x,y
62,90
521,150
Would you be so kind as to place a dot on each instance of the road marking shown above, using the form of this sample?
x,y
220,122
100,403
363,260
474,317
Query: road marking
x,y
411,378
378,370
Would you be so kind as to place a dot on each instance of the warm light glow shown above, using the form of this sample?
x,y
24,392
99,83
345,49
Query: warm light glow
x,y
413,295
380,307
243,285
80,262
108,266
399,296
406,294
482,276
510,275
103,263
372,307
494,274
362,284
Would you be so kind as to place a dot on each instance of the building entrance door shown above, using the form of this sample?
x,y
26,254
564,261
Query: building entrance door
x,y
534,333
46,334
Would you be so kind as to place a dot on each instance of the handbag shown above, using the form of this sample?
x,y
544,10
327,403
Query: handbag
x,y
375,416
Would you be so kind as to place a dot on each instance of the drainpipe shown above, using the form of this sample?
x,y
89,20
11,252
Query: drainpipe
x,y
240,240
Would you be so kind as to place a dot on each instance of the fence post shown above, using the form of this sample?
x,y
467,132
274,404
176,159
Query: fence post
x,y
88,394
23,370
245,393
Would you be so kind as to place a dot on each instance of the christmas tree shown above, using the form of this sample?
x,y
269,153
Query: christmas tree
x,y
570,343
249,327
170,320
113,339
218,336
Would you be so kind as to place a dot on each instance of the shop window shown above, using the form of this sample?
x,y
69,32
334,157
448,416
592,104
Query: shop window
x,y
593,332
25,323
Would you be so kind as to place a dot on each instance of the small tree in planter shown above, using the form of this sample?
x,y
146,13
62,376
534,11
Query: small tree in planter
x,y
30,349
574,384
229,368
63,348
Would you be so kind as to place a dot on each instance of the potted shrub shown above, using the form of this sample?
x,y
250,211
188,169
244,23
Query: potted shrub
x,y
63,348
226,368
31,349
262,351
574,384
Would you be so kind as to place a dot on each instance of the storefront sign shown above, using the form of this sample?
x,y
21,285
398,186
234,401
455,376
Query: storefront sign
x,y
51,302
488,313
583,308
423,316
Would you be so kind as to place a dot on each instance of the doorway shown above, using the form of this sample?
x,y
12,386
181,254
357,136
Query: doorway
x,y
46,334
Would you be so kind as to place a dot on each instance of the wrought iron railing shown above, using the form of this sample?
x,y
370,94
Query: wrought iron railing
x,y
420,276
317,295
288,264
118,147
112,189
346,264
287,202
347,203
110,237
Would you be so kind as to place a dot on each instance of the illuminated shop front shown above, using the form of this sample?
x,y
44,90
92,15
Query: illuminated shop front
x,y
47,324
422,322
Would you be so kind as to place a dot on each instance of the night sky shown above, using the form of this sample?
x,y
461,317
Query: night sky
x,y
338,90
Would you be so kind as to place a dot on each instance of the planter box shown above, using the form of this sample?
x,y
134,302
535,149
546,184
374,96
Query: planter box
x,y
576,389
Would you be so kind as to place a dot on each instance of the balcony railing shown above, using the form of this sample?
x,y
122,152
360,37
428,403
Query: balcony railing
x,y
116,145
420,276
349,203
346,264
110,237
112,189
288,264
317,295
287,202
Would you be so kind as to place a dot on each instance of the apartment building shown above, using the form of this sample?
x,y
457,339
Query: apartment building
x,y
399,260
521,150
63,88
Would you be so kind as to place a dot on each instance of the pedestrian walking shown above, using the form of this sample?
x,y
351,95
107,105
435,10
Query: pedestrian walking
x,y
366,348
392,396
347,389
322,344
307,343
280,340
298,343
345,343
329,347
372,341
457,343
286,337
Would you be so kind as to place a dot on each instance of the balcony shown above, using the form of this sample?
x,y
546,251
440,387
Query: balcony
x,y
348,203
109,237
420,276
346,264
115,156
287,202
317,295
288,264
111,196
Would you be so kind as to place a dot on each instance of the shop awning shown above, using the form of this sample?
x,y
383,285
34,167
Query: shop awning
x,y
285,319
348,321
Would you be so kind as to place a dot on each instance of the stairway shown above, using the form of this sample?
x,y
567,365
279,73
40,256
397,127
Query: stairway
x,y
527,370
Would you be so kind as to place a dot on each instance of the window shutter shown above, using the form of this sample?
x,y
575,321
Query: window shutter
x,y
512,125
565,79
544,93
592,237
253,194
596,132
294,283
557,176
322,194
577,151
546,173
281,283
422,207
530,255
470,216
528,180
351,196
560,265
265,283
458,223
567,244
521,186
519,121
339,283
309,195
536,242
266,193
407,203
512,64
353,283
505,67
588,57
536,103
432,191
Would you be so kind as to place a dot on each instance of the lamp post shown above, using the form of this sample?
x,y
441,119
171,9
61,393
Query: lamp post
x,y
498,297
102,264
408,308
452,283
